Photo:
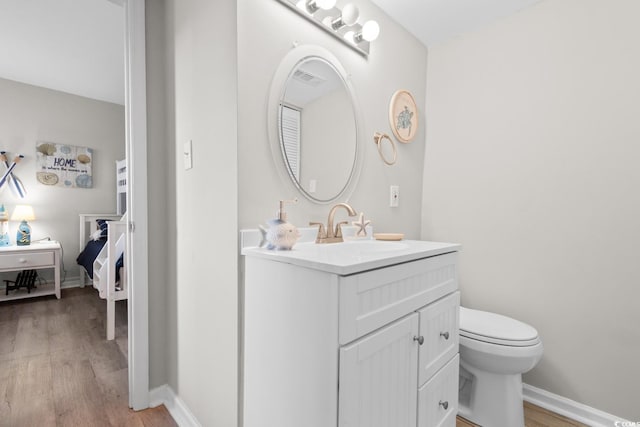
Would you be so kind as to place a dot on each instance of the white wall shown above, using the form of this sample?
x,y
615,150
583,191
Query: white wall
x,y
532,164
202,304
266,32
30,114
161,197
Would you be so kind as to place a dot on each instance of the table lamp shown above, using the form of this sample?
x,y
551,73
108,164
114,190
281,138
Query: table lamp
x,y
23,213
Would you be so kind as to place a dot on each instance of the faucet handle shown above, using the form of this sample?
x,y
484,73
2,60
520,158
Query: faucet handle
x,y
322,233
338,232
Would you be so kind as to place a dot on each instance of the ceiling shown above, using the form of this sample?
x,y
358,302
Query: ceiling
x,y
77,46
74,46
436,21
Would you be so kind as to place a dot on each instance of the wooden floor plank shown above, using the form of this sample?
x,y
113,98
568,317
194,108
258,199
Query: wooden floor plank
x,y
31,337
28,394
534,416
539,417
8,332
77,396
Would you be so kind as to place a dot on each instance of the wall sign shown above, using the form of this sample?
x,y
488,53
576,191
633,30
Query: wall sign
x,y
63,165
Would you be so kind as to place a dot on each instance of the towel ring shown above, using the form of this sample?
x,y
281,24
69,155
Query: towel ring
x,y
377,138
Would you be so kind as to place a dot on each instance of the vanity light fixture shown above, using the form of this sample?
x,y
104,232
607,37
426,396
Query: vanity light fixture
x,y
341,23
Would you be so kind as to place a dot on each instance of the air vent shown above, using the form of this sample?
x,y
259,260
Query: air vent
x,y
308,78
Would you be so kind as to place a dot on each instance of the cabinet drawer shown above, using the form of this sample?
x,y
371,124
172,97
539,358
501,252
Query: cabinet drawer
x,y
439,328
374,298
438,398
26,260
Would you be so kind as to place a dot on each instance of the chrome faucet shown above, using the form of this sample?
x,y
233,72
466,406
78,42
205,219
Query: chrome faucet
x,y
331,235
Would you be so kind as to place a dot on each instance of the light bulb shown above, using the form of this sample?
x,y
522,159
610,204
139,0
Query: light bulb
x,y
350,36
370,31
326,4
350,14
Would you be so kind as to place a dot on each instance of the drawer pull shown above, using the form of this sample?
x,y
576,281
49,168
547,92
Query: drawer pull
x,y
22,260
444,404
420,339
446,337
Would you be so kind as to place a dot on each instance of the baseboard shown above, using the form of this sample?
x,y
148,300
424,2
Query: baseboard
x,y
71,282
164,395
569,408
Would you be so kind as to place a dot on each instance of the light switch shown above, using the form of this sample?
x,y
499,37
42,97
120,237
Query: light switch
x,y
188,160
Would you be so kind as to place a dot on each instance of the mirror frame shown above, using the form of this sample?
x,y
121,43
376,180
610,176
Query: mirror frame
x,y
278,85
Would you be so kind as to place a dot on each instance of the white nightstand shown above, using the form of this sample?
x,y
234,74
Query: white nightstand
x,y
36,256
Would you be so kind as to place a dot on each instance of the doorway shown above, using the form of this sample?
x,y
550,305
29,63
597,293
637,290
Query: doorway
x,y
132,49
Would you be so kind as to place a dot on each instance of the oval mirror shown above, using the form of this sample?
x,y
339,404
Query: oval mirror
x,y
316,125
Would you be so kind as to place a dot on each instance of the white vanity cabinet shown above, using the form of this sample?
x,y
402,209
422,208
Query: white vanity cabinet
x,y
334,344
381,373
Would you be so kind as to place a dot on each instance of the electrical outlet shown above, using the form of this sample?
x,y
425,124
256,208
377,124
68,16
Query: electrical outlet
x,y
394,196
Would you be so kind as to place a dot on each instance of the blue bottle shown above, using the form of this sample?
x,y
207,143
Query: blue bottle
x,y
23,238
4,227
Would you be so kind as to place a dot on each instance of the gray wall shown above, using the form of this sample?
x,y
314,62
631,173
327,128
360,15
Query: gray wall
x,y
266,32
30,114
161,197
532,165
202,303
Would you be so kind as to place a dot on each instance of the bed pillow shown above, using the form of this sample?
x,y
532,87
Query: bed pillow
x,y
103,224
89,254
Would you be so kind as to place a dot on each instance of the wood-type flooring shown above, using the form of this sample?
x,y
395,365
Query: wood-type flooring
x,y
535,416
58,369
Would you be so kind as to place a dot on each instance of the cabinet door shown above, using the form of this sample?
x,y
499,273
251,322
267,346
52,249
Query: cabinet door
x,y
378,377
439,329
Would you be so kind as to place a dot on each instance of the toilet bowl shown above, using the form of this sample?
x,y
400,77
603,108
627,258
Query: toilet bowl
x,y
495,351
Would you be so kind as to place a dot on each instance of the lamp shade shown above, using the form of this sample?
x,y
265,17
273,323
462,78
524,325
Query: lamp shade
x,y
23,213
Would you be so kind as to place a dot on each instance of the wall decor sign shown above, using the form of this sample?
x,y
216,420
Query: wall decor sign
x,y
63,165
403,116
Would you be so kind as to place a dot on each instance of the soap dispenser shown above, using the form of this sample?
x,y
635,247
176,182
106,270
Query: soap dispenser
x,y
281,235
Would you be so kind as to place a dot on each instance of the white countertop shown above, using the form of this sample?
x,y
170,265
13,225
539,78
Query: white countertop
x,y
353,256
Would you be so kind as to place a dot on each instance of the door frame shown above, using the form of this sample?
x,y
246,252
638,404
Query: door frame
x,y
137,238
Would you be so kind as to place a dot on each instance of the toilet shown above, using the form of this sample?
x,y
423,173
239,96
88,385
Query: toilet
x,y
495,351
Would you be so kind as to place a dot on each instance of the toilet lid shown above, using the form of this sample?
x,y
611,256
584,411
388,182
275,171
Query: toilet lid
x,y
495,328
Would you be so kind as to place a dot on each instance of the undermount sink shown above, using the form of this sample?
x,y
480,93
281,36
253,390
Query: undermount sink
x,y
353,256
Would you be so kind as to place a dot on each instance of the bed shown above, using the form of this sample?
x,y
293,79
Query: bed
x,y
102,259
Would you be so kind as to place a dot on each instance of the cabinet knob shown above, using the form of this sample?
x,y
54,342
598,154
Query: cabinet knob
x,y
420,339
444,404
446,337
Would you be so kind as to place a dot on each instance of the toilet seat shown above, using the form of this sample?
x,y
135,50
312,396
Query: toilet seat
x,y
496,329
